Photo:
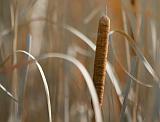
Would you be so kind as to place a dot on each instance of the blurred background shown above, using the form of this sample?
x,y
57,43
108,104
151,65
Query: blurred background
x,y
61,26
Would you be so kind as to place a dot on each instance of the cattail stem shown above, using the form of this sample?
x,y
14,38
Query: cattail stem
x,y
101,57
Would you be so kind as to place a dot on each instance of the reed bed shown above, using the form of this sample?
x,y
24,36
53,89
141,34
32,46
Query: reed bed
x,y
79,61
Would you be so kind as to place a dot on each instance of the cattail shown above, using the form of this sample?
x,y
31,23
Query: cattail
x,y
101,57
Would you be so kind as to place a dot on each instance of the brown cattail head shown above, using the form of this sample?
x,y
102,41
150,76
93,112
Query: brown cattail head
x,y
101,57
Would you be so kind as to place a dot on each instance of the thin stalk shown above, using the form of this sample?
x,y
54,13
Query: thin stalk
x,y
14,23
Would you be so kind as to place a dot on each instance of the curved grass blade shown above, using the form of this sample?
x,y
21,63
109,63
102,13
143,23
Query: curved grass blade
x,y
139,54
86,76
81,36
47,56
130,75
44,82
